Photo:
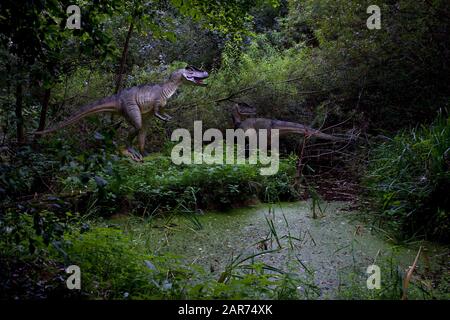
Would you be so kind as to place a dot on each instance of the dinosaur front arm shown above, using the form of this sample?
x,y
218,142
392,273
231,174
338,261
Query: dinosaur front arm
x,y
167,116
160,117
164,117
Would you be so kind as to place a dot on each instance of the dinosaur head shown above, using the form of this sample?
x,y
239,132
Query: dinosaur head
x,y
239,110
244,109
191,75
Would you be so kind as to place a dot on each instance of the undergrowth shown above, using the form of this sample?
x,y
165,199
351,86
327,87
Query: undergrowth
x,y
159,185
353,283
115,266
409,179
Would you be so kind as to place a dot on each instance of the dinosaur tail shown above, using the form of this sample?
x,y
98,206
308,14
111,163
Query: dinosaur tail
x,y
292,127
108,104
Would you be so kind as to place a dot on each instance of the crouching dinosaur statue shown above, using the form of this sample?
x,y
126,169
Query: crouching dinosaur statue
x,y
284,127
135,103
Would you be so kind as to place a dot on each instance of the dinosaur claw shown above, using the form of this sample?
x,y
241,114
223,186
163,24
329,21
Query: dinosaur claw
x,y
136,156
132,154
161,117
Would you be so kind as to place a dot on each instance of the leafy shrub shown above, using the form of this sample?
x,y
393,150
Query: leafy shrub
x,y
409,180
24,171
111,264
27,267
56,165
280,187
159,184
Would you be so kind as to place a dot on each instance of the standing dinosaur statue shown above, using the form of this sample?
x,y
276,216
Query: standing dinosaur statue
x,y
284,127
136,102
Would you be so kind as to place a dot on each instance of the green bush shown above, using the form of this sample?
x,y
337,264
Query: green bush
x,y
112,266
24,171
158,184
409,180
27,267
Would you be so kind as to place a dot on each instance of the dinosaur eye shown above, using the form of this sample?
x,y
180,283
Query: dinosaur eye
x,y
189,68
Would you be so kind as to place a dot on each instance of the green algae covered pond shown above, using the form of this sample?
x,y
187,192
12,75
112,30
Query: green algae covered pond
x,y
332,250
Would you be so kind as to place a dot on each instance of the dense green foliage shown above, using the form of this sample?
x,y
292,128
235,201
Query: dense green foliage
x,y
313,62
158,184
409,180
321,60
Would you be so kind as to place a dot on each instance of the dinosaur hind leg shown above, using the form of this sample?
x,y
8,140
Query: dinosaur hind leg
x,y
130,151
141,142
134,117
133,134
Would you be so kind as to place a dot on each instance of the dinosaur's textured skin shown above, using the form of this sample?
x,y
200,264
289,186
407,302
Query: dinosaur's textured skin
x,y
135,103
284,127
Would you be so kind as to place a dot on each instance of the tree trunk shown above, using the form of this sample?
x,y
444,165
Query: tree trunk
x,y
124,58
19,114
44,109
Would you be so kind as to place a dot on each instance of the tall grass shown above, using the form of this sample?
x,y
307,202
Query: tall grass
x,y
409,181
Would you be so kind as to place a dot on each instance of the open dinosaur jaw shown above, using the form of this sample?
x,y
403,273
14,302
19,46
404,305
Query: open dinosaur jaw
x,y
198,81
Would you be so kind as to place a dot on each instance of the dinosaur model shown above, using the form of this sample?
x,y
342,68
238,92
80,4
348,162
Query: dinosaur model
x,y
136,102
284,127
